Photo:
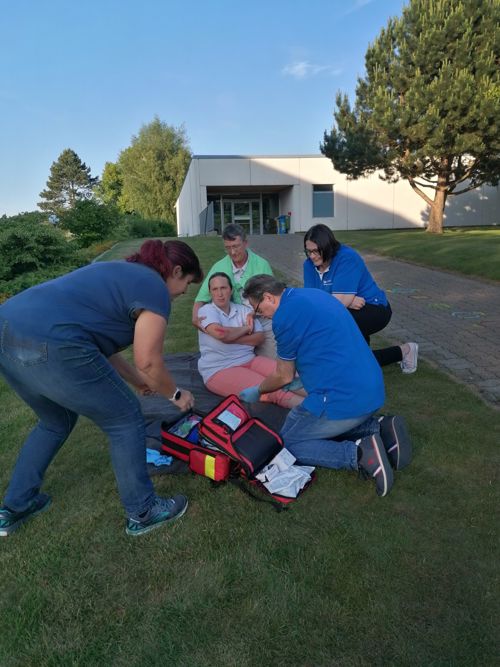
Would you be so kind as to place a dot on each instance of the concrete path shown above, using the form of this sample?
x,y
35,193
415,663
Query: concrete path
x,y
455,320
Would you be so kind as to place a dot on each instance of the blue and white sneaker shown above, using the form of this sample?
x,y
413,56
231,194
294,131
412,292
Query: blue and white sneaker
x,y
10,520
161,512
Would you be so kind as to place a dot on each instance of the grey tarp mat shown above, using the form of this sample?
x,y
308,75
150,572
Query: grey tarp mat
x,y
184,368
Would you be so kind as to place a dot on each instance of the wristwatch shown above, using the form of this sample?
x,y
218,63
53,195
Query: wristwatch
x,y
177,395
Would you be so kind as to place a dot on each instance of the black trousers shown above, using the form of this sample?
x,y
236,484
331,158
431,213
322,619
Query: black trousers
x,y
372,319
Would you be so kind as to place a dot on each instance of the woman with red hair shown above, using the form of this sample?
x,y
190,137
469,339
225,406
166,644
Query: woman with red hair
x,y
60,351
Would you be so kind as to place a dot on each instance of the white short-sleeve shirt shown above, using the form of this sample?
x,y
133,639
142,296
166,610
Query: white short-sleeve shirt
x,y
216,355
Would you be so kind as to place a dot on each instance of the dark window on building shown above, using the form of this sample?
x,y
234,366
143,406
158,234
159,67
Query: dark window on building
x,y
322,201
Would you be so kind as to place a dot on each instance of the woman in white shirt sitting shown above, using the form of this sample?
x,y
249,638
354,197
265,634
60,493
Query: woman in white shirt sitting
x,y
228,363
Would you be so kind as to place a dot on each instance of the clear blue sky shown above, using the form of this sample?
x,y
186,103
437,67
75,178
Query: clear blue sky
x,y
256,77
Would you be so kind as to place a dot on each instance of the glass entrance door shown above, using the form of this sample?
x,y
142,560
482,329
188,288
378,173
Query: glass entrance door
x,y
242,215
244,212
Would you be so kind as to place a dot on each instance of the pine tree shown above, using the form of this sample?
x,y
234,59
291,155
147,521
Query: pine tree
x,y
428,109
69,181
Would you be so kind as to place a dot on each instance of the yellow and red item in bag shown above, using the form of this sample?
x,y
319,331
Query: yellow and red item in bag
x,y
214,466
180,438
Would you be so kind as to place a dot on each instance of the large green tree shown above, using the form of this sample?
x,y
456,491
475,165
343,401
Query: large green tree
x,y
109,189
69,181
428,108
153,169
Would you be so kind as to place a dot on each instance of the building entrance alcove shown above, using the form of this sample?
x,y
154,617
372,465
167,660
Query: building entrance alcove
x,y
256,212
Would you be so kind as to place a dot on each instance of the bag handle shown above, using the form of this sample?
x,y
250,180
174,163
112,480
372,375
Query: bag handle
x,y
246,488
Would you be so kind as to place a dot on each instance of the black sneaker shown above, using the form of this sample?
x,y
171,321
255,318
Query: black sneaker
x,y
374,463
11,521
161,512
396,440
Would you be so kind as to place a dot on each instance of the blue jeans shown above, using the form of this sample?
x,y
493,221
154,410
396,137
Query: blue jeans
x,y
60,381
308,438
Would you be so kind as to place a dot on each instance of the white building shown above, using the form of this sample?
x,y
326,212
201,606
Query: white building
x,y
254,190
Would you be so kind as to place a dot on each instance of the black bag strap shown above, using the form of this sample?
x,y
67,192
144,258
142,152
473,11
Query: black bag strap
x,y
248,489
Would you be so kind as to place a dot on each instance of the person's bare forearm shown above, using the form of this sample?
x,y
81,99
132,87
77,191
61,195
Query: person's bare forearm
x,y
231,334
274,382
150,329
346,299
156,375
357,303
254,339
126,370
195,320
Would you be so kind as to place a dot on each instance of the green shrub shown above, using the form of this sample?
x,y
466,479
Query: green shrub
x,y
90,221
9,288
89,253
28,217
144,227
76,258
27,246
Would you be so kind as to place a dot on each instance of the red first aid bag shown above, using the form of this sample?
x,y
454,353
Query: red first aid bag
x,y
226,443
245,439
180,438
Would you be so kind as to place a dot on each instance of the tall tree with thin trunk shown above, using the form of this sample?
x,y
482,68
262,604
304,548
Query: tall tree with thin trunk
x,y
69,181
153,169
428,109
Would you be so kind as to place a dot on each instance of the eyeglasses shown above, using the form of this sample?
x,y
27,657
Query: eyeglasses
x,y
315,251
256,309
233,248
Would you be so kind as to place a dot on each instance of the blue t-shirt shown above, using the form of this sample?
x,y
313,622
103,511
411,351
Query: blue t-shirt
x,y
347,274
94,305
337,368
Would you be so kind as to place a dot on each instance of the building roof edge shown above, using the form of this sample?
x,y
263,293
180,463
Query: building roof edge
x,y
247,157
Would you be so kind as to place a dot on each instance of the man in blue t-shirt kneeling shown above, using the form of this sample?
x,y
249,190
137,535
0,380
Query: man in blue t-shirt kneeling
x,y
317,338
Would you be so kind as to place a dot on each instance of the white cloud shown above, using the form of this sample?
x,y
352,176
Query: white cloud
x,y
357,5
302,69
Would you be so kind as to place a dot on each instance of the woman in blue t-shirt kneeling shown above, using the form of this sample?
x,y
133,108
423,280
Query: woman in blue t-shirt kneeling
x,y
60,351
340,271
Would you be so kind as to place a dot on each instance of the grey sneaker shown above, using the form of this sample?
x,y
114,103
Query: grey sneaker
x,y
11,520
396,440
374,463
161,512
410,359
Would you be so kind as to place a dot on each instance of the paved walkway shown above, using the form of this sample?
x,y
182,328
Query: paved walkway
x,y
455,320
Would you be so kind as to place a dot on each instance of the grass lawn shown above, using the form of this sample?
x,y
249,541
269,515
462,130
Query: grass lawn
x,y
344,578
474,252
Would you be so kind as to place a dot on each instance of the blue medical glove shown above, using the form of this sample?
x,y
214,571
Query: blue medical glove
x,y
250,394
295,384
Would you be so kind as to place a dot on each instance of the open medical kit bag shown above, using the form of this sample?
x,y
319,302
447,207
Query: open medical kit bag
x,y
181,438
228,443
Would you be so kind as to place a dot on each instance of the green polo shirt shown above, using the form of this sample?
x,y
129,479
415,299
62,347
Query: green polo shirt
x,y
255,266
